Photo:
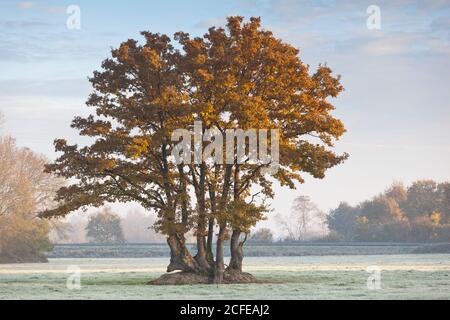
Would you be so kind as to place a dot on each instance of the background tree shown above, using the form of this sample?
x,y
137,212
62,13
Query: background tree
x,y
417,213
342,220
423,198
304,218
397,191
444,201
105,227
241,77
380,210
262,235
24,190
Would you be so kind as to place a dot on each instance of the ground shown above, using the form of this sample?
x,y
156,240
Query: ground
x,y
403,276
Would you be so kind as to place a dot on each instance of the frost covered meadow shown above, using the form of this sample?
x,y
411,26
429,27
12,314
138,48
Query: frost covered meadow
x,y
403,276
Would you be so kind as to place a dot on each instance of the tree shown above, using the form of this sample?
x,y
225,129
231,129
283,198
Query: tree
x,y
304,216
397,192
342,220
262,235
422,198
444,201
416,213
240,77
380,210
24,190
104,227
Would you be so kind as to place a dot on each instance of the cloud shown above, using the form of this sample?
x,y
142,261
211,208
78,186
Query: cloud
x,y
216,22
74,88
32,41
388,44
441,24
26,5
301,12
431,5
407,27
55,10
397,43
19,24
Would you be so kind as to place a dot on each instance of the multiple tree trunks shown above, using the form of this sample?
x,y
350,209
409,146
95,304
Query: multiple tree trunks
x,y
130,159
203,263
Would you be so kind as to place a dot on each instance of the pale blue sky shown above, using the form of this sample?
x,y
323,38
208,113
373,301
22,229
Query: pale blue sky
x,y
396,105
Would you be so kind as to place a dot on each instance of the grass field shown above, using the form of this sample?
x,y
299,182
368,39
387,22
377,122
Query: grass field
x,y
403,276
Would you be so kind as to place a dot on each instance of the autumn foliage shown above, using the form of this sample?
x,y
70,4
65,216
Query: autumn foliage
x,y
417,213
24,190
238,77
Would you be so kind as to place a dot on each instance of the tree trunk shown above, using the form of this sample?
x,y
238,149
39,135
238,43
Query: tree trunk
x,y
236,247
219,267
200,257
180,258
236,250
199,186
209,243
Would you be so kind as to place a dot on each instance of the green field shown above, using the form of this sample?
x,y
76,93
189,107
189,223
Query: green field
x,y
403,276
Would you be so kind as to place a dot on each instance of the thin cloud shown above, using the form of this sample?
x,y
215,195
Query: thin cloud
x,y
22,24
25,5
431,5
403,43
441,24
399,43
216,22
74,88
55,10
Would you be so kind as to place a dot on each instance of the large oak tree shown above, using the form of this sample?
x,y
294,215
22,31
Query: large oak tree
x,y
240,77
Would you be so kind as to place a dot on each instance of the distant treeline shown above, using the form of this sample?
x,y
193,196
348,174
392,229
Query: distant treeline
x,y
418,213
274,249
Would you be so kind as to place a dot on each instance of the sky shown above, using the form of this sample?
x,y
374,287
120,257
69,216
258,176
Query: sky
x,y
396,103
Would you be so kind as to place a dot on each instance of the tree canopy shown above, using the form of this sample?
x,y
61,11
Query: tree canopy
x,y
105,227
238,77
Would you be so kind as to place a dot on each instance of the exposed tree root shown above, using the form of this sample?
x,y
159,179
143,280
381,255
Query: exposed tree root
x,y
186,278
